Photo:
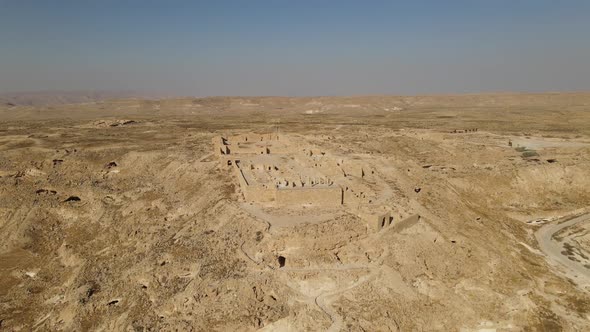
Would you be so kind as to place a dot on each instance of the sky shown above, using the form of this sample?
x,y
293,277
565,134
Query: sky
x,y
296,47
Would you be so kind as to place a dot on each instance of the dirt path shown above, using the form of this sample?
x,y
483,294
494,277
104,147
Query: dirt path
x,y
345,267
324,300
552,249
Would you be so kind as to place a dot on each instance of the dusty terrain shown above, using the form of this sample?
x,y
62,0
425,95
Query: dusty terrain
x,y
119,215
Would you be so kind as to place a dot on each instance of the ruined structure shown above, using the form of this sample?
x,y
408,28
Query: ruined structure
x,y
281,176
277,170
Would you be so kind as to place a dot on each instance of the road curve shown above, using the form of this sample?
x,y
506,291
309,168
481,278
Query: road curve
x,y
552,249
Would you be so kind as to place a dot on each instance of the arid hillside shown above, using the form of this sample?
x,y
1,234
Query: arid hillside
x,y
123,215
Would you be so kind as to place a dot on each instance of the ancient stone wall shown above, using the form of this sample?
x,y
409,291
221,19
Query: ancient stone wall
x,y
259,194
407,222
376,220
330,195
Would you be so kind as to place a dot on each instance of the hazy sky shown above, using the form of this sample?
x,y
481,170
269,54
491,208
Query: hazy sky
x,y
295,47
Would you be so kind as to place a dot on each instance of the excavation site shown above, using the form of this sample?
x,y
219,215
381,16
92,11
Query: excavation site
x,y
380,213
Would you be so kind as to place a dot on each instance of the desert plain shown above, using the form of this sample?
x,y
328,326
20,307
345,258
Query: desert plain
x,y
131,215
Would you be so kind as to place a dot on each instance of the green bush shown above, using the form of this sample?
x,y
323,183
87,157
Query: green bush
x,y
529,153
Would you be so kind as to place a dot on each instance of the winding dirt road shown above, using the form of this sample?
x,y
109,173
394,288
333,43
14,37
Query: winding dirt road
x,y
552,249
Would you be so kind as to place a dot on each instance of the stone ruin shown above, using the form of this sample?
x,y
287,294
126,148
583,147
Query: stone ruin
x,y
280,171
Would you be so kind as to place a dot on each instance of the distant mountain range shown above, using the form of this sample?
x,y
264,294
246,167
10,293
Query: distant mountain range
x,y
50,97
310,104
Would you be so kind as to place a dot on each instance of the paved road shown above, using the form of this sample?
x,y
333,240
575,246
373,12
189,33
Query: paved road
x,y
552,249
